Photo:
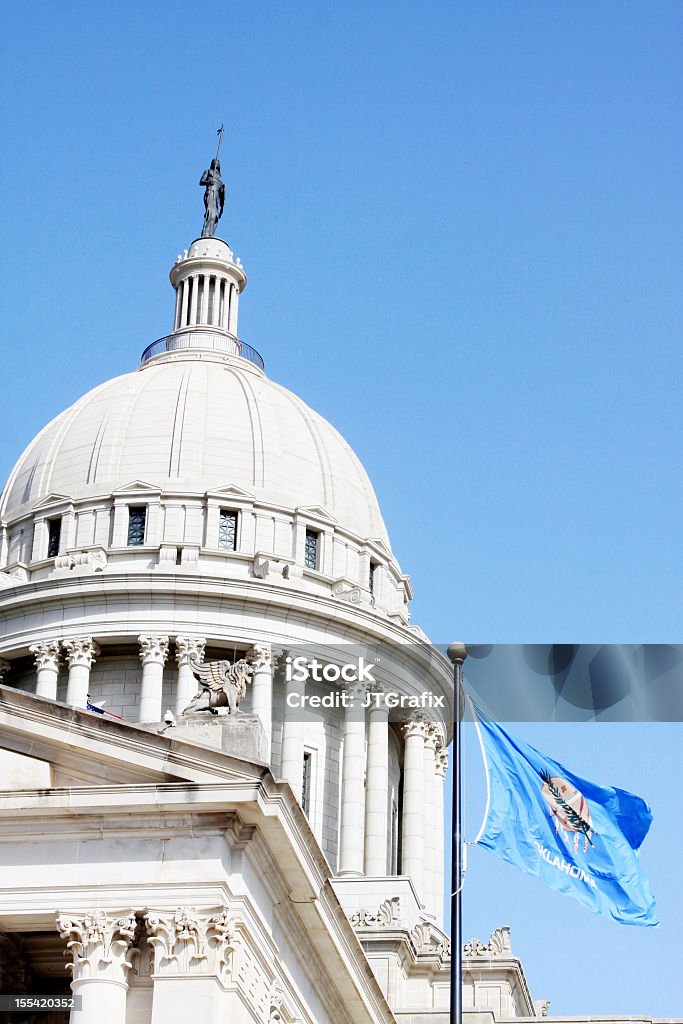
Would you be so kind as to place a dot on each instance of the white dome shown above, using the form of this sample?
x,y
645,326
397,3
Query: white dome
x,y
192,422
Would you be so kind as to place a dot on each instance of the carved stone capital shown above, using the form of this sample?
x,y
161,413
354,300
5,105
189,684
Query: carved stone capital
x,y
153,649
80,651
261,657
415,727
46,653
4,669
187,647
356,692
442,762
100,946
188,942
431,738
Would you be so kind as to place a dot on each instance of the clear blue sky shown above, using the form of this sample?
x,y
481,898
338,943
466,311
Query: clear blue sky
x,y
462,228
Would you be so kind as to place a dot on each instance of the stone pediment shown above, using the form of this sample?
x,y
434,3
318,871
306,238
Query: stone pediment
x,y
380,545
230,491
51,499
318,511
137,487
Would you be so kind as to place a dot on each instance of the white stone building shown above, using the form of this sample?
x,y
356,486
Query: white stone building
x,y
278,865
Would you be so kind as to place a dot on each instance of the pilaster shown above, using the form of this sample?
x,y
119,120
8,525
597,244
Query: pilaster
x,y
193,963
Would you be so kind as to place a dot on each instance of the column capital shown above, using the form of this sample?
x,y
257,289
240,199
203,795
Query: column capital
x,y
153,649
46,654
356,690
415,727
431,737
261,657
99,945
186,647
192,942
442,763
81,651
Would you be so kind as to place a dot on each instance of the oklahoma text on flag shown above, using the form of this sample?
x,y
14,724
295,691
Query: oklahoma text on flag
x,y
576,836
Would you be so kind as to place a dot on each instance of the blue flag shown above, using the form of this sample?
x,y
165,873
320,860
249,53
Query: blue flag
x,y
577,837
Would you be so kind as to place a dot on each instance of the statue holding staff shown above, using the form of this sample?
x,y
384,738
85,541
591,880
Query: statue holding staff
x,y
214,193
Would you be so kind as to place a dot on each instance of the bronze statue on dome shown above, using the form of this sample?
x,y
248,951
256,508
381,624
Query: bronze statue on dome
x,y
214,193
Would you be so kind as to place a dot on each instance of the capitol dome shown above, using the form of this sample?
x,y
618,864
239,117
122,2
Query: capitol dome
x,y
191,515
193,420
197,463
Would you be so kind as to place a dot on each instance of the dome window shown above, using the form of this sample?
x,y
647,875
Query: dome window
x,y
137,520
54,534
371,577
311,549
227,530
306,783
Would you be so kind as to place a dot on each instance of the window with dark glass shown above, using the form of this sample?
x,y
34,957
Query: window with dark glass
x,y
306,783
311,549
54,533
137,518
227,530
371,577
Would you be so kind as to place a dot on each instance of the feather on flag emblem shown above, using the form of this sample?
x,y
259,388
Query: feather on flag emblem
x,y
569,809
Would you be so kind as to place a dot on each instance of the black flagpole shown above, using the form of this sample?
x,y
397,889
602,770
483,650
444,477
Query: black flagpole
x,y
457,653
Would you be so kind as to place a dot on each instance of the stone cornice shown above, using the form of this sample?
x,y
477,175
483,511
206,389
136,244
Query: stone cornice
x,y
366,623
270,602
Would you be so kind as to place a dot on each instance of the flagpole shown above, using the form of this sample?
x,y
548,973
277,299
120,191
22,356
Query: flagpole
x,y
457,654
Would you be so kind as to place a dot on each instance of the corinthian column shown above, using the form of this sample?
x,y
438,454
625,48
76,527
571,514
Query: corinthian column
x,y
377,788
262,689
100,949
186,647
193,962
430,852
81,652
153,654
441,769
351,830
46,653
292,754
413,847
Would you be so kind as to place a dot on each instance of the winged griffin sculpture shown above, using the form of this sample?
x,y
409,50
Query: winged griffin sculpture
x,y
222,685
